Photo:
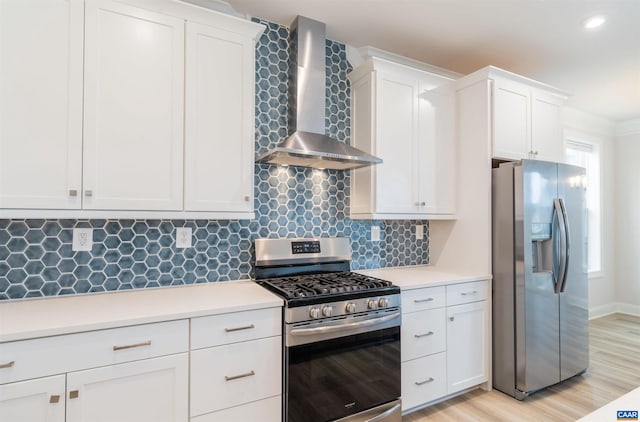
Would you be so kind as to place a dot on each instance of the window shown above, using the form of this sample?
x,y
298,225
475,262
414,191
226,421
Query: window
x,y
585,154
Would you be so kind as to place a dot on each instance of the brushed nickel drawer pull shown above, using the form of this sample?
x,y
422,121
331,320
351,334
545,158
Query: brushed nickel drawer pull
x,y
429,299
74,394
430,333
55,398
469,293
7,365
73,192
425,381
452,318
246,327
235,377
131,346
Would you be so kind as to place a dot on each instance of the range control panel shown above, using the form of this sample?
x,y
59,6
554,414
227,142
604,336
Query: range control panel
x,y
311,246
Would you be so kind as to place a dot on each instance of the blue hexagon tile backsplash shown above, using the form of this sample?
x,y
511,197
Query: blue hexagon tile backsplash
x,y
36,257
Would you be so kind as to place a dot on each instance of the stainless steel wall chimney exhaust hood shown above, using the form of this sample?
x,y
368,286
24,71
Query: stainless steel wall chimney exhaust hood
x,y
308,146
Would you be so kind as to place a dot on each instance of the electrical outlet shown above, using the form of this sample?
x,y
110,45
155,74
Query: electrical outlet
x,y
183,237
419,232
375,233
82,239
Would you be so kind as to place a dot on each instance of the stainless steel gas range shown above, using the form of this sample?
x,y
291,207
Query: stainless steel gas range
x,y
341,351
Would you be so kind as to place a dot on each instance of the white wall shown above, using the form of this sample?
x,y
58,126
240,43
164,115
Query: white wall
x,y
603,287
627,217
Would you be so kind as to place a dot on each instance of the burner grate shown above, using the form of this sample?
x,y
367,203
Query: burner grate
x,y
313,285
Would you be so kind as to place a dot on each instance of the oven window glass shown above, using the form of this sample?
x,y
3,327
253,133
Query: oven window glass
x,y
335,378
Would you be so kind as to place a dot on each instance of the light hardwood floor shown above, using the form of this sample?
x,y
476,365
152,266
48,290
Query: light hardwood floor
x,y
613,371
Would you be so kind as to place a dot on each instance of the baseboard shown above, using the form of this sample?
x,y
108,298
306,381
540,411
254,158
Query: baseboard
x,y
613,308
629,309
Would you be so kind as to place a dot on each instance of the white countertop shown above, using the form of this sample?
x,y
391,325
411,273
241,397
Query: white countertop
x,y
608,412
22,319
415,277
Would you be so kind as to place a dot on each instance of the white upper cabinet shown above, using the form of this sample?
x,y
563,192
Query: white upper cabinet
x,y
133,122
527,120
547,135
125,108
41,56
219,133
405,116
512,120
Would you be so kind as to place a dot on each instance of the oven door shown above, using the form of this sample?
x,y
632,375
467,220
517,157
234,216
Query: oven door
x,y
333,378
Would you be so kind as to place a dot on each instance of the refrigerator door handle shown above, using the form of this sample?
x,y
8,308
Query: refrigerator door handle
x,y
562,264
567,244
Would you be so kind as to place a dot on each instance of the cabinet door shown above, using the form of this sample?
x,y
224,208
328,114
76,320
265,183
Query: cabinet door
x,y
511,120
146,390
37,400
437,147
467,345
134,94
219,134
547,137
41,103
397,126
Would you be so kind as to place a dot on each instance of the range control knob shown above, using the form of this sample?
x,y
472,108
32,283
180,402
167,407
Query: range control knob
x,y
372,304
351,307
383,302
314,312
327,311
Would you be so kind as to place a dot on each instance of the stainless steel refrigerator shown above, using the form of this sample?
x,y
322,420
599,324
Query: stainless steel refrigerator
x,y
540,313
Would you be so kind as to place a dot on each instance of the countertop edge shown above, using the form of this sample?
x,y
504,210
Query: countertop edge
x,y
159,312
422,276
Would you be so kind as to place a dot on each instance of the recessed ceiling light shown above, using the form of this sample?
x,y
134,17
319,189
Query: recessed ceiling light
x,y
594,22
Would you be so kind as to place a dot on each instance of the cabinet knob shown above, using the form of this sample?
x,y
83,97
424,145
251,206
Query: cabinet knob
x,y
247,198
451,318
73,192
55,398
74,394
420,204
88,193
535,152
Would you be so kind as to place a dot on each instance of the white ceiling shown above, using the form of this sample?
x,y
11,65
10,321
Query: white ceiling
x,y
540,39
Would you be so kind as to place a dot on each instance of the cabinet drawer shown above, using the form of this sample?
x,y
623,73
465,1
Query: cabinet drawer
x,y
467,292
421,299
423,380
423,333
58,354
222,329
267,410
227,376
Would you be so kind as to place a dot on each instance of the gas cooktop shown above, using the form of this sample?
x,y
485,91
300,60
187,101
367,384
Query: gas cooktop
x,y
317,288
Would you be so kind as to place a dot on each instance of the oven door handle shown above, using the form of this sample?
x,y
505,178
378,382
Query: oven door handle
x,y
384,414
343,327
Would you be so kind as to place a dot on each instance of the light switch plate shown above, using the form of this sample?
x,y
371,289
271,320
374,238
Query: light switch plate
x,y
375,233
419,232
183,237
82,239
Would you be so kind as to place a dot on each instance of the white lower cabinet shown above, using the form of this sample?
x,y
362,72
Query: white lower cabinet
x,y
234,374
267,410
444,342
126,374
236,367
151,389
424,380
35,400
467,345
